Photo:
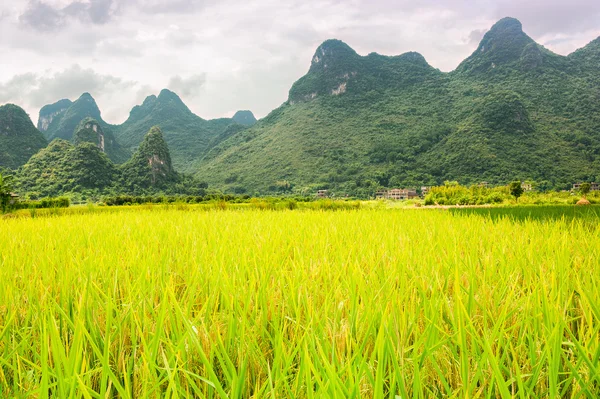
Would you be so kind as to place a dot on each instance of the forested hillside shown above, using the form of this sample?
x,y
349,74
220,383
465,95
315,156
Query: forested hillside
x,y
63,119
83,168
19,139
188,135
354,124
511,110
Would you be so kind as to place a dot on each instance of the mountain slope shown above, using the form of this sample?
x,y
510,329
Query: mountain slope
x,y
19,139
187,135
63,120
505,44
588,56
63,167
354,123
245,118
91,131
151,164
336,69
51,113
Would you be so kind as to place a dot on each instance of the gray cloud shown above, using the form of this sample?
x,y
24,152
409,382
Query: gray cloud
x,y
181,37
4,14
173,6
12,90
187,87
44,17
34,90
100,11
117,49
72,82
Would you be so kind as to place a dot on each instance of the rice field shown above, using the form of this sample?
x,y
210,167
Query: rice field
x,y
248,303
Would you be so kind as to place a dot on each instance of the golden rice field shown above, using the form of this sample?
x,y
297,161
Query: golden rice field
x,y
369,303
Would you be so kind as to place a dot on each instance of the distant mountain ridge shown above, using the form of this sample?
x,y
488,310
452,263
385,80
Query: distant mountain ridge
x,y
83,168
503,44
84,151
354,123
336,68
188,135
63,119
60,119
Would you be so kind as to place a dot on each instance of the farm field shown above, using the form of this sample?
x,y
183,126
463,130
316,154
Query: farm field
x,y
308,303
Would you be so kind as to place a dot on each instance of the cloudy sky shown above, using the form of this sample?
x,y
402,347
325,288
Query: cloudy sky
x,y
225,55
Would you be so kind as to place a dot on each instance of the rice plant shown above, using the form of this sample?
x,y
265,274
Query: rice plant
x,y
307,303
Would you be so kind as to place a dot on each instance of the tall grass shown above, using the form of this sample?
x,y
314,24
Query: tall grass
x,y
258,303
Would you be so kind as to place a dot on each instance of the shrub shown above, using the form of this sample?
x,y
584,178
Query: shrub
x,y
292,204
45,203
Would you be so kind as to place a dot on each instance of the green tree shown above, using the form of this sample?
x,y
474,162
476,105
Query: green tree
x,y
544,186
394,182
585,188
516,190
6,186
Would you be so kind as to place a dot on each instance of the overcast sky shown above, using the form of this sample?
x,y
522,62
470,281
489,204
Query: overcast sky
x,y
224,55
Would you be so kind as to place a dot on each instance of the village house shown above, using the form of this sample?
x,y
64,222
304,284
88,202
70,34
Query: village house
x,y
323,194
397,194
593,186
13,198
424,191
527,186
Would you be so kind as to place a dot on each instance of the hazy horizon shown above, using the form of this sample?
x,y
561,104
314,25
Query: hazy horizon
x,y
220,57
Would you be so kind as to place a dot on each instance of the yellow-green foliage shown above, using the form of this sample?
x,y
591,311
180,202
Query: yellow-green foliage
x,y
454,194
165,302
